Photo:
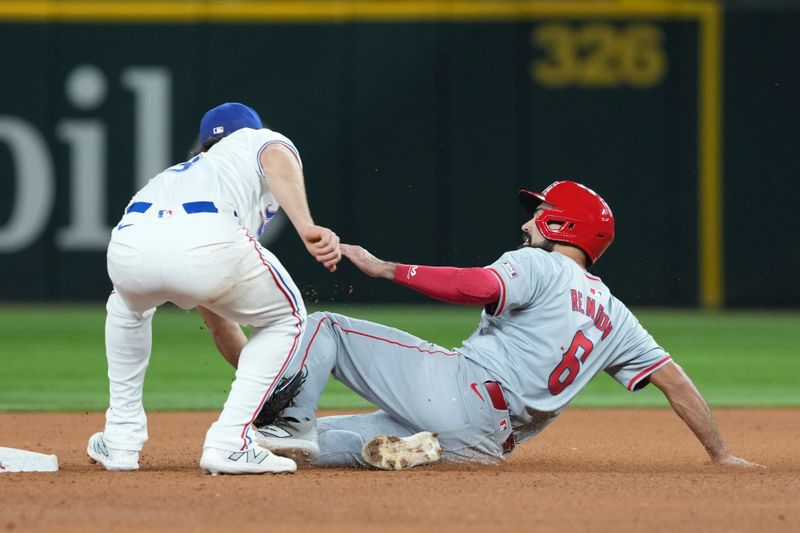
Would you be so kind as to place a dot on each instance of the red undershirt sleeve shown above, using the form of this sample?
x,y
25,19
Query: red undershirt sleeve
x,y
468,286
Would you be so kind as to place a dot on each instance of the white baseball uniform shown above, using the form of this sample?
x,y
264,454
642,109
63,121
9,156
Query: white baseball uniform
x,y
190,237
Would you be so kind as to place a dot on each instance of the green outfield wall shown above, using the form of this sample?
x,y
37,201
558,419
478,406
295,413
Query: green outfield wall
x,y
417,122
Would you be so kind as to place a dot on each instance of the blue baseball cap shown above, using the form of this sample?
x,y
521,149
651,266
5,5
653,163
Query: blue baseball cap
x,y
227,118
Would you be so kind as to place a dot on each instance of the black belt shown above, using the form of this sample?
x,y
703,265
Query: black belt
x,y
499,402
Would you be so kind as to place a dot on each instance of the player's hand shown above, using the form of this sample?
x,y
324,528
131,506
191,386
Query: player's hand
x,y
323,244
737,462
368,263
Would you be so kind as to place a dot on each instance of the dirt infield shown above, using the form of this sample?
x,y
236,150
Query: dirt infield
x,y
599,470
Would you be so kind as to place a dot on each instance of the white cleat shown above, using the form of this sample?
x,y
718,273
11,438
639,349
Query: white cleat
x,y
110,458
255,460
389,452
290,438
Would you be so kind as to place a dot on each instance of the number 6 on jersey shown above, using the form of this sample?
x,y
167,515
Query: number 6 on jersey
x,y
567,370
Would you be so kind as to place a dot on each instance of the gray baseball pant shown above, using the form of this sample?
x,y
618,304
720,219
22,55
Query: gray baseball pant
x,y
418,386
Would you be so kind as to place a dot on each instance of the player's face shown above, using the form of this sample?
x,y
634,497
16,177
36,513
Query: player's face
x,y
531,236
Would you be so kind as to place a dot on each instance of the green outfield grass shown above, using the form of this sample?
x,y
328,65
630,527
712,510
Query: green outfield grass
x,y
52,358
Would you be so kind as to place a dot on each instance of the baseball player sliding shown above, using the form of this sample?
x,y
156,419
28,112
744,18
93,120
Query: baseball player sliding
x,y
548,327
190,237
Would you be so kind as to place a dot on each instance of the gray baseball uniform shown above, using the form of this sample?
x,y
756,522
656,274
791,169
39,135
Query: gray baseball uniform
x,y
553,329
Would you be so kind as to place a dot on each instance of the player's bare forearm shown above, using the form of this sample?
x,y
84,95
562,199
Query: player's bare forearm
x,y
687,402
285,178
691,407
368,263
228,336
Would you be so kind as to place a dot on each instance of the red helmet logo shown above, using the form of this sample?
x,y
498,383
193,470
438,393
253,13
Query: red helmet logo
x,y
579,216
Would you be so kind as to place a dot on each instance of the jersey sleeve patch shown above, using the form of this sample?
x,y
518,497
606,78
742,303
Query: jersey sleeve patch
x,y
520,272
509,268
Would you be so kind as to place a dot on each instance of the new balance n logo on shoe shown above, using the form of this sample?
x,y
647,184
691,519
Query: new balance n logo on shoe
x,y
250,456
255,460
111,458
274,431
99,446
290,438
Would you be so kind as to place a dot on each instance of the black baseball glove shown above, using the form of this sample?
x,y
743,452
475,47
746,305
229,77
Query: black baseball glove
x,y
281,399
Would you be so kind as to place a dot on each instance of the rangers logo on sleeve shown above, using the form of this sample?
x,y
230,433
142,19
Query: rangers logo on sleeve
x,y
510,269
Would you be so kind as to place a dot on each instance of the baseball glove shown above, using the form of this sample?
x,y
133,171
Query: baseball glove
x,y
281,399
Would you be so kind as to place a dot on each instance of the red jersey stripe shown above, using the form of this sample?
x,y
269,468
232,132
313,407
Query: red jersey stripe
x,y
646,372
298,325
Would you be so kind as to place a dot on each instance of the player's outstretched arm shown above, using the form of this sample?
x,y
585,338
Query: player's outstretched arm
x,y
690,405
285,178
465,286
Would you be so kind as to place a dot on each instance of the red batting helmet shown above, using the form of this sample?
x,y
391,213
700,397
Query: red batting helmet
x,y
583,218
